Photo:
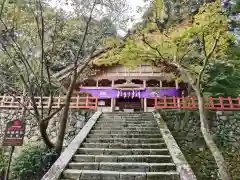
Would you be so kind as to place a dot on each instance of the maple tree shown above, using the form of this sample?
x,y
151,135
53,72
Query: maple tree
x,y
192,47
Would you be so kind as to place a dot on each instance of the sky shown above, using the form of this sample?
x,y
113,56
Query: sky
x,y
133,4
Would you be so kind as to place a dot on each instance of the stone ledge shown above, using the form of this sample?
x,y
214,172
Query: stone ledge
x,y
57,168
183,168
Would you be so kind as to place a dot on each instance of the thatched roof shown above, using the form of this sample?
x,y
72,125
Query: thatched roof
x,y
101,59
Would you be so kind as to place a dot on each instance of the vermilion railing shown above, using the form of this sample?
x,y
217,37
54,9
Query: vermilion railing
x,y
76,102
219,103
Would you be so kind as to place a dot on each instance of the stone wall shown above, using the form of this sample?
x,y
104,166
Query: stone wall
x,y
225,128
77,119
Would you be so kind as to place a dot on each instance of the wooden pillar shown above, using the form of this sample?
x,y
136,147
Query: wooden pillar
x,y
112,83
145,99
112,104
176,84
97,83
112,99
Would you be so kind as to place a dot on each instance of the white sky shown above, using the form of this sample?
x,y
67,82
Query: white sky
x,y
133,4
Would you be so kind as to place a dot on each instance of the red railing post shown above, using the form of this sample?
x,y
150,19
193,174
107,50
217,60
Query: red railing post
x,y
211,103
164,102
87,101
155,101
238,101
174,103
192,103
96,104
77,103
221,103
59,101
230,102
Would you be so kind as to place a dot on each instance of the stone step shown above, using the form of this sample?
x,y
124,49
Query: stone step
x,y
125,158
106,151
125,140
116,175
127,114
123,132
96,135
124,146
124,126
127,167
127,128
128,119
127,122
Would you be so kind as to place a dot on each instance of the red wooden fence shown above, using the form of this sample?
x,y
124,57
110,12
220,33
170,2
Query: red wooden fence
x,y
191,103
13,102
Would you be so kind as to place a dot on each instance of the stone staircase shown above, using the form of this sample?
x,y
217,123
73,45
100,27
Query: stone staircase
x,y
122,146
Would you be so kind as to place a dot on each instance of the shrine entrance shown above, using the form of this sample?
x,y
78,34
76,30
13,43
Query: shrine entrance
x,y
129,104
129,97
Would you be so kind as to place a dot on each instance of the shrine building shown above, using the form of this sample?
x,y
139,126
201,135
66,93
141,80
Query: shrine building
x,y
119,88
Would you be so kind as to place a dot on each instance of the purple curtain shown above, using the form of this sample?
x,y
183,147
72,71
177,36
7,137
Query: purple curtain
x,y
113,93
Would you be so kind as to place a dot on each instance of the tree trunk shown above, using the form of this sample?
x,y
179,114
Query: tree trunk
x,y
64,115
43,131
219,159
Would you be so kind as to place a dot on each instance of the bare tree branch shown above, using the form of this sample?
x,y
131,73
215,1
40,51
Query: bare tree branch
x,y
154,48
53,114
2,7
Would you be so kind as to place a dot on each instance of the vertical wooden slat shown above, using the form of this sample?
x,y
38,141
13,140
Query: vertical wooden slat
x,y
194,105
87,101
230,102
59,102
49,102
160,83
165,102
96,105
3,100
156,101
211,101
22,101
221,102
77,103
12,102
174,102
40,102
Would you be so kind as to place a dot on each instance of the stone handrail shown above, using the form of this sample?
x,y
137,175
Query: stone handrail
x,y
58,167
183,168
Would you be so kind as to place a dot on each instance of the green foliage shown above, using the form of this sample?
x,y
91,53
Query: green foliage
x,y
32,163
236,7
223,81
186,132
3,161
23,51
